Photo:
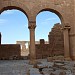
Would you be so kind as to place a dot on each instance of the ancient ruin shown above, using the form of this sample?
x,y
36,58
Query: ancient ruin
x,y
44,49
24,50
65,9
61,40
55,47
10,51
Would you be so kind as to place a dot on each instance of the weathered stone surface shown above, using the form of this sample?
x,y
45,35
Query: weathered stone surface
x,y
49,59
23,67
62,73
55,46
60,58
65,9
10,51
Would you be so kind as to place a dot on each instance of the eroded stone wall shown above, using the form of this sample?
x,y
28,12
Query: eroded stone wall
x,y
56,40
24,49
65,9
42,49
55,46
10,51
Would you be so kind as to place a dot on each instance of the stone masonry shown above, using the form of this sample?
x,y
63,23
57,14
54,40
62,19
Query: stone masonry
x,y
55,46
56,40
10,51
65,9
44,49
24,50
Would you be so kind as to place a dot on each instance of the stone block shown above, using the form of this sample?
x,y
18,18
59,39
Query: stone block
x,y
49,59
62,73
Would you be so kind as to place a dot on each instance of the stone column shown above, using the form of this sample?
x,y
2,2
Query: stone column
x,y
32,26
66,43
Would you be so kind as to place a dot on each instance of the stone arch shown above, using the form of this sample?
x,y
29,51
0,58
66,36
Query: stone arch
x,y
54,11
51,8
9,5
64,21
14,7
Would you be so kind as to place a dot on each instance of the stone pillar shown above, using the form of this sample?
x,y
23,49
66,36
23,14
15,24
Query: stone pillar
x,y
32,26
66,43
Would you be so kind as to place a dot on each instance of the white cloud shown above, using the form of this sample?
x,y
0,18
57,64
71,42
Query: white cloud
x,y
7,12
47,20
3,21
50,19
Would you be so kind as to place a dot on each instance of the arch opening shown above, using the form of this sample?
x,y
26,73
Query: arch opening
x,y
16,25
53,11
49,30
15,8
44,19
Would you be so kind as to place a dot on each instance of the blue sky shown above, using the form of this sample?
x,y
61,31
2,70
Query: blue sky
x,y
14,26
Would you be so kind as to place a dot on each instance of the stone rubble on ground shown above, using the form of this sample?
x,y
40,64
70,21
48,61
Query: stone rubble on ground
x,y
22,67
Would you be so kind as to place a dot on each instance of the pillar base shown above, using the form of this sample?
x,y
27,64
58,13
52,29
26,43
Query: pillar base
x,y
73,58
67,58
33,62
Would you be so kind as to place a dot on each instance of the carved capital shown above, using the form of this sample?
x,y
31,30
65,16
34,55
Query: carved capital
x,y
32,25
66,26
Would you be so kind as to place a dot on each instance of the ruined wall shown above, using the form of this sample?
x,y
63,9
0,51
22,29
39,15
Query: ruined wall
x,y
55,46
65,9
10,51
42,49
25,51
56,40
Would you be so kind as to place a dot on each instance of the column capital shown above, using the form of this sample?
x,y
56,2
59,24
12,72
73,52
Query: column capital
x,y
32,25
66,26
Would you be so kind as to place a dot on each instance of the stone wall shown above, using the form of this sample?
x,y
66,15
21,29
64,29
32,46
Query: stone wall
x,y
42,49
10,51
25,51
56,40
65,9
55,46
